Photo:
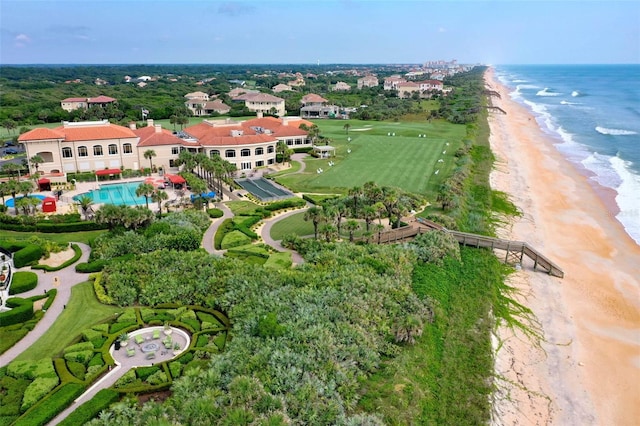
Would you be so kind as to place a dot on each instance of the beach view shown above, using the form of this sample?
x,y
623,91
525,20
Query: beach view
x,y
319,213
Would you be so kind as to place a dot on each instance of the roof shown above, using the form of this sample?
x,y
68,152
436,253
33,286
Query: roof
x,y
108,172
100,100
312,98
75,100
175,178
260,97
149,137
73,132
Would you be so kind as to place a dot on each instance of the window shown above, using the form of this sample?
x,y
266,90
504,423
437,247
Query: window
x,y
82,151
67,152
245,153
175,150
245,166
270,161
259,163
270,149
113,149
230,153
298,141
97,150
126,148
172,163
213,153
259,151
289,142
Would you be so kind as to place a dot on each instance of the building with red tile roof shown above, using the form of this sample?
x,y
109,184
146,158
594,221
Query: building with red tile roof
x,y
315,106
72,104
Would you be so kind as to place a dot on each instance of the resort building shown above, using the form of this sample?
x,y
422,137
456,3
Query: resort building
x,y
368,81
341,86
315,106
99,145
72,104
407,88
263,103
392,82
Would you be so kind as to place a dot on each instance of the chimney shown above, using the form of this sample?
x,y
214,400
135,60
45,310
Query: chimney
x,y
150,122
260,114
132,125
285,122
158,128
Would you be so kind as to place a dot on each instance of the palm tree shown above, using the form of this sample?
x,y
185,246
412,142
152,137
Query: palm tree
x,y
313,133
346,127
85,202
284,151
36,160
149,154
4,190
145,190
351,226
355,192
315,215
11,167
369,213
158,197
173,120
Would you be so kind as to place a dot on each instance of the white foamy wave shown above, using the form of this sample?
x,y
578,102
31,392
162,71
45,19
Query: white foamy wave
x,y
519,81
570,103
615,132
604,174
628,199
575,93
546,92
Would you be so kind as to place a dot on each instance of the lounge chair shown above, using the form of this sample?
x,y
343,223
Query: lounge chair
x,y
168,343
139,339
156,334
151,355
131,352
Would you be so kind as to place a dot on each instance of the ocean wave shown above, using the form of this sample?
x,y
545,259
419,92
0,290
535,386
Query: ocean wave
x,y
519,81
627,198
575,93
546,92
615,132
570,103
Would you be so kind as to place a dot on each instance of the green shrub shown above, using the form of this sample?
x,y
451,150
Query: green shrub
x,y
93,372
234,239
143,372
23,281
202,341
215,213
101,292
175,369
81,356
90,409
281,260
51,297
31,369
157,378
22,311
63,371
225,227
91,267
77,369
186,358
48,408
103,328
82,346
98,342
27,256
119,326
89,334
206,317
285,204
129,315
220,340
11,395
36,390
128,378
96,360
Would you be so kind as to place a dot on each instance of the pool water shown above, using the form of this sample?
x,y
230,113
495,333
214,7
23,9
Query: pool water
x,y
115,193
9,202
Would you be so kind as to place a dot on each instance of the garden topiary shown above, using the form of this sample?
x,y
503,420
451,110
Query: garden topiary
x,y
23,281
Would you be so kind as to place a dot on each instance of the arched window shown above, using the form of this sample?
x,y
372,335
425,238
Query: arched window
x,y
259,151
113,149
270,149
126,148
213,153
230,153
245,153
82,151
97,150
67,152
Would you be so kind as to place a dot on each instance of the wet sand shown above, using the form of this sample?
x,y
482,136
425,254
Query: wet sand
x,y
586,370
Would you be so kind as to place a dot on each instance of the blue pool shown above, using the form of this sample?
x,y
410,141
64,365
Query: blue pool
x,y
116,193
9,202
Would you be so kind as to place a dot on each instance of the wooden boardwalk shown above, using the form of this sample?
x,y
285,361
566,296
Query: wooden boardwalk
x,y
515,250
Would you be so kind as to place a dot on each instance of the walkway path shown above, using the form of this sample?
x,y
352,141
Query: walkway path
x,y
67,278
265,233
210,233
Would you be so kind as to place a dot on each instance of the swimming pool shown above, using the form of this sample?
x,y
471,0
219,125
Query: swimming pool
x,y
115,193
9,202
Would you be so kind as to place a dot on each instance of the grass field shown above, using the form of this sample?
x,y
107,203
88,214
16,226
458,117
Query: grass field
x,y
83,311
405,160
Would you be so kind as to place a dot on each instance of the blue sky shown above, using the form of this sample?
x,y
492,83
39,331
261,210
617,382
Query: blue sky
x,y
307,31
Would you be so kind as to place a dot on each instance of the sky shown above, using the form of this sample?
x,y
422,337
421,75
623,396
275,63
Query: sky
x,y
325,31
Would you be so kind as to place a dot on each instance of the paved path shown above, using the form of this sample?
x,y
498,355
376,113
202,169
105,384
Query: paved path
x,y
210,233
67,278
265,233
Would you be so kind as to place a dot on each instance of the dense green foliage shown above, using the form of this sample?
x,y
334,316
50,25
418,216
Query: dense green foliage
x,y
23,281
47,409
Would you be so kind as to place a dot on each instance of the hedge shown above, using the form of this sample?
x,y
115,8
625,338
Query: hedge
x,y
51,294
101,292
48,408
83,346
285,204
225,227
234,239
215,213
22,311
23,281
31,369
77,254
37,390
91,408
28,255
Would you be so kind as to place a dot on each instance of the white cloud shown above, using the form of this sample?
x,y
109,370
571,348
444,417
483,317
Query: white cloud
x,y
442,30
22,38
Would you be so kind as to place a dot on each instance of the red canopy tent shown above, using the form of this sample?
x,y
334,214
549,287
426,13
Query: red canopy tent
x,y
108,172
44,184
175,179
49,205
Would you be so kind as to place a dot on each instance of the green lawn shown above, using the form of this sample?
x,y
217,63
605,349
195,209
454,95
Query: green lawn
x,y
80,237
405,160
294,224
83,311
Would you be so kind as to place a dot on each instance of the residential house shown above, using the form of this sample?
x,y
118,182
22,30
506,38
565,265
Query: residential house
x,y
341,86
407,88
201,108
429,85
315,106
72,104
263,102
197,96
239,91
281,88
368,81
392,82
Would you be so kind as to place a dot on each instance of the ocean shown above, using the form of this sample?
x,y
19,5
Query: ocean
x,y
593,112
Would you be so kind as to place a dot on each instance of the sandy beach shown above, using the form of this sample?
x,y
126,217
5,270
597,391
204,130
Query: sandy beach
x,y
586,370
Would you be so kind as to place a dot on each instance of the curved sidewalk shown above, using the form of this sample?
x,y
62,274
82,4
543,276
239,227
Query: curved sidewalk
x,y
265,233
210,233
67,278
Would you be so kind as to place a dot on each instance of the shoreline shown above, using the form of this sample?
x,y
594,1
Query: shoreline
x,y
586,369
